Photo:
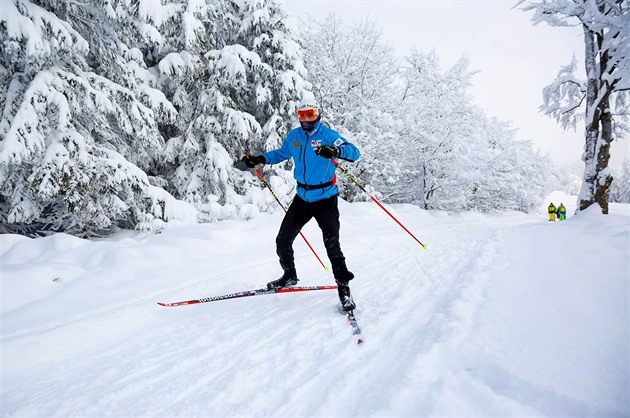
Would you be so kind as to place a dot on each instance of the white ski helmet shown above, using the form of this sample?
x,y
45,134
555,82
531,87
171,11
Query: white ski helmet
x,y
310,103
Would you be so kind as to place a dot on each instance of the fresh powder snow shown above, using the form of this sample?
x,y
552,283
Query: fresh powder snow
x,y
504,314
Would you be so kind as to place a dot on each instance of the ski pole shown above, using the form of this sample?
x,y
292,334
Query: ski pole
x,y
285,211
351,177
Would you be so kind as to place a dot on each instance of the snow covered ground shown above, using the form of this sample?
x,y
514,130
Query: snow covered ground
x,y
503,315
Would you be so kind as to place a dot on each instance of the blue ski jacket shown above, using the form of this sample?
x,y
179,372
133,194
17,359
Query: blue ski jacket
x,y
311,169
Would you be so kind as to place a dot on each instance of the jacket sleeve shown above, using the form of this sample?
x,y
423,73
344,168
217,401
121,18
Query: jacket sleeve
x,y
347,150
280,154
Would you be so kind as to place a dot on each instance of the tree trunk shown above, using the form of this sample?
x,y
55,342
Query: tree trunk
x,y
604,177
597,178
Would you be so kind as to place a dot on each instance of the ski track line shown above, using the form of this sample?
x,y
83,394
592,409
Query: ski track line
x,y
378,319
428,310
442,364
448,307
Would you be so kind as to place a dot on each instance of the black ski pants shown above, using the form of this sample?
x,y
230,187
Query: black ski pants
x,y
326,213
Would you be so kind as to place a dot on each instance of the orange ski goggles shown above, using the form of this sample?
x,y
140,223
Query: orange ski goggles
x,y
306,113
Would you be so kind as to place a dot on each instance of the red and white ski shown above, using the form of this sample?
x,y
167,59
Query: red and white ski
x,y
246,293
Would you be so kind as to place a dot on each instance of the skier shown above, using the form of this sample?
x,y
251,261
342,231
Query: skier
x,y
562,212
551,210
311,146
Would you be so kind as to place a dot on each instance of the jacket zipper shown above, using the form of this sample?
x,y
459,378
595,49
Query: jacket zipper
x,y
304,158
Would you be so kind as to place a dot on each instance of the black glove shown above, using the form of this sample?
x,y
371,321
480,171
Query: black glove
x,y
327,151
252,160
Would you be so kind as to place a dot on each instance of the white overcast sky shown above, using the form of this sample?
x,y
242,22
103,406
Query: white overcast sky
x,y
515,59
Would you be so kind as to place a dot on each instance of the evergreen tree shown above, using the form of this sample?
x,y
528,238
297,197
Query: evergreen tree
x,y
107,105
75,143
247,96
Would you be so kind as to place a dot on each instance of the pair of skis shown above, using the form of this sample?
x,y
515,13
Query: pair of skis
x,y
352,320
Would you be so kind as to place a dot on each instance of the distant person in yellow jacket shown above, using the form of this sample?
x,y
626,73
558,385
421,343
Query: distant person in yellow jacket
x,y
551,210
562,212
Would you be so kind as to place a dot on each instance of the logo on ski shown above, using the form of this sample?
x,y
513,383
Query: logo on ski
x,y
255,292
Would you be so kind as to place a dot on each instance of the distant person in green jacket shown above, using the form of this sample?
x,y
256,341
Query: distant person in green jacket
x,y
562,212
551,210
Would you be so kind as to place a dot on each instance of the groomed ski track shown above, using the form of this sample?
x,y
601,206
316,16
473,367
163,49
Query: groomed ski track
x,y
95,343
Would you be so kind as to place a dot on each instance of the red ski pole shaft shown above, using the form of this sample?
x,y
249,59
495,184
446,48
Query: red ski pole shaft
x,y
351,177
285,211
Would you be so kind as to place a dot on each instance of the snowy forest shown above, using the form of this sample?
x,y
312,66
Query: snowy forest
x,y
130,114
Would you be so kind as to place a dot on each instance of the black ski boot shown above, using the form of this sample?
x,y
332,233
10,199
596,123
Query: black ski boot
x,y
347,303
287,280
